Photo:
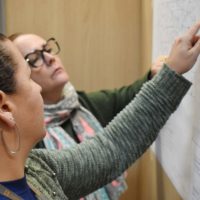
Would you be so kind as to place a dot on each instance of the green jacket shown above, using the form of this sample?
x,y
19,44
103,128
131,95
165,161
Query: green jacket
x,y
78,171
105,104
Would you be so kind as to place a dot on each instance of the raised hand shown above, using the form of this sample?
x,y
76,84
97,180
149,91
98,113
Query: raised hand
x,y
185,50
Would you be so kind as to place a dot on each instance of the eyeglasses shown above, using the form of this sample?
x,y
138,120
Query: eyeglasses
x,y
37,58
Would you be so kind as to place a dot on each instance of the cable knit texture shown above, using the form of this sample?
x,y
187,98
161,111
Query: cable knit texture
x,y
76,172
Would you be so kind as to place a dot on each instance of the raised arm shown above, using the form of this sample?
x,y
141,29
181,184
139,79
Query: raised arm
x,y
96,162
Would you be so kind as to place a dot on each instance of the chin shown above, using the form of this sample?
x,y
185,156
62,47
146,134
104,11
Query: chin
x,y
61,75
62,81
43,133
41,137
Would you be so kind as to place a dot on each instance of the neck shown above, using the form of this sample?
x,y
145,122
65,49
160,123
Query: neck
x,y
52,97
11,167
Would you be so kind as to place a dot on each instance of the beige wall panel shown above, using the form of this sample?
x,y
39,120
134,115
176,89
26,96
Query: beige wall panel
x,y
100,40
146,34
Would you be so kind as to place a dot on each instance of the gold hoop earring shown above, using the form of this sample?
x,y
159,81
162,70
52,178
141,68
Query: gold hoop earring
x,y
8,149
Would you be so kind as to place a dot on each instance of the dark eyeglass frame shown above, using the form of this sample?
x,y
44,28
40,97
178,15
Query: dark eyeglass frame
x,y
41,52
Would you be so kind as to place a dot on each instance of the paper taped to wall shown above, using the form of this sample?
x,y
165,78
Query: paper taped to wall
x,y
178,145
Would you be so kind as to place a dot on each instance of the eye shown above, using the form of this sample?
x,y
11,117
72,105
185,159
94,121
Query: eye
x,y
34,59
48,50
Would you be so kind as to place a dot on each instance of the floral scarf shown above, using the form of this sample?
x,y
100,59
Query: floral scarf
x,y
85,126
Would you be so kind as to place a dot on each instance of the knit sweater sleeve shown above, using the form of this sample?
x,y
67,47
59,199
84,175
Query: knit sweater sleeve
x,y
96,162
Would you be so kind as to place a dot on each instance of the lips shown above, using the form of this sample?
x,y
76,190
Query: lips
x,y
57,71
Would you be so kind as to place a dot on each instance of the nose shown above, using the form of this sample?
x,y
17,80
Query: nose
x,y
49,59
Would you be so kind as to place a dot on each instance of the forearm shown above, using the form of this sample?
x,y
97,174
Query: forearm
x,y
130,134
96,162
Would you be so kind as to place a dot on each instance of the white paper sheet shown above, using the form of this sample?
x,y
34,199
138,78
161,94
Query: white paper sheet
x,y
178,146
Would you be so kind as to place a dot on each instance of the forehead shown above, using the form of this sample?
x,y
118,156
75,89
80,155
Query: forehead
x,y
28,43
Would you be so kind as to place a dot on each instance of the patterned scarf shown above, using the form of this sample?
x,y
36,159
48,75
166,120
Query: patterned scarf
x,y
85,126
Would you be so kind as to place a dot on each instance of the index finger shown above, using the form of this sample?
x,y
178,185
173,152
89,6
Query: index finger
x,y
193,30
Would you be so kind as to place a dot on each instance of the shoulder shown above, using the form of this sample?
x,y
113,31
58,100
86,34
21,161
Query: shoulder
x,y
41,176
35,162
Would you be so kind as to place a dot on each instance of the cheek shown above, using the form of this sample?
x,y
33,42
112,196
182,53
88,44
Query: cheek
x,y
30,115
37,109
41,77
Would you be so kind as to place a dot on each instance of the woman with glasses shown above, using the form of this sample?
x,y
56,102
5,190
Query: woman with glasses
x,y
78,171
70,116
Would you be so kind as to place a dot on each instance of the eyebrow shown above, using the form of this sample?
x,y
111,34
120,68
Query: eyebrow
x,y
35,50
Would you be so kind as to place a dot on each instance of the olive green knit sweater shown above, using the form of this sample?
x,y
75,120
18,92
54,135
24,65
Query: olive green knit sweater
x,y
76,172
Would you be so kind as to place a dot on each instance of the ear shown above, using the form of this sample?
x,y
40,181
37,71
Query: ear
x,y
6,117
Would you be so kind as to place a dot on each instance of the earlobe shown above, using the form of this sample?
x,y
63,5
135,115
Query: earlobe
x,y
7,118
7,121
